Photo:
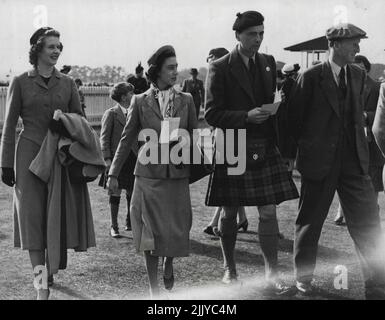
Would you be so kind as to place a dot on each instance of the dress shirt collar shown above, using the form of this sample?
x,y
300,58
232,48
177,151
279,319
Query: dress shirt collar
x,y
336,69
244,58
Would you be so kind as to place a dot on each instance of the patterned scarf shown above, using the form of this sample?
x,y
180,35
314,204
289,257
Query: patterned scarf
x,y
165,99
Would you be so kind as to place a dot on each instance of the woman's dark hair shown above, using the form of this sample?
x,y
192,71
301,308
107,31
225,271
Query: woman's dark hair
x,y
78,82
120,89
153,71
37,47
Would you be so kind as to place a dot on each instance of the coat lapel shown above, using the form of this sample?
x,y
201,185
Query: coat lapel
x,y
329,86
120,115
239,71
266,74
152,103
37,79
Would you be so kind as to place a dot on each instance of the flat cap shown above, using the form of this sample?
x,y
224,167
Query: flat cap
x,y
164,51
345,31
37,34
217,53
247,19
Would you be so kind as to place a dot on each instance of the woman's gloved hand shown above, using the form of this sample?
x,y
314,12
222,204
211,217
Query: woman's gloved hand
x,y
57,126
8,176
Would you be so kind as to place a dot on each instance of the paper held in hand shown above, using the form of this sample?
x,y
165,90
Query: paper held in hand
x,y
169,130
273,107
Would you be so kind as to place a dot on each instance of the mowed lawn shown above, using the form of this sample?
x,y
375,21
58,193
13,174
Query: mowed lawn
x,y
113,270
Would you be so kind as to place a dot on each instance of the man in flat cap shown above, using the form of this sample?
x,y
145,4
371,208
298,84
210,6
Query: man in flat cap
x,y
238,85
326,117
195,87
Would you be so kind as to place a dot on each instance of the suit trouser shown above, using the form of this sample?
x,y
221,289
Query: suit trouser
x,y
359,203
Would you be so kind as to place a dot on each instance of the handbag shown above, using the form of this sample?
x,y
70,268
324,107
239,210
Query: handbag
x,y
204,168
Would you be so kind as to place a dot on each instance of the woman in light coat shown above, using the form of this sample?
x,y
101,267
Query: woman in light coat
x,y
161,214
34,96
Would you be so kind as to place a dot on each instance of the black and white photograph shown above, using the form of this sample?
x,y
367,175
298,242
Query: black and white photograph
x,y
192,155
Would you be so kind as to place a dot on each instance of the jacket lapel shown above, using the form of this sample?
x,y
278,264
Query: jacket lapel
x,y
36,78
267,79
239,71
152,103
329,86
120,115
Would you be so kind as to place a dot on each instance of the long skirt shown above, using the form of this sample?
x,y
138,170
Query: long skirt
x,y
161,216
29,200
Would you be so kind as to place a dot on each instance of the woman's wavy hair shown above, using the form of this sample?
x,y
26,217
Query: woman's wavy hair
x,y
37,47
153,71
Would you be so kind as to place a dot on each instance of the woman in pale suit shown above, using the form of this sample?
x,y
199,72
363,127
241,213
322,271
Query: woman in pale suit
x,y
34,96
161,215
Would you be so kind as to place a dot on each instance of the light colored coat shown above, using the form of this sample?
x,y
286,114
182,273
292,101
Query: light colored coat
x,y
35,102
48,166
144,113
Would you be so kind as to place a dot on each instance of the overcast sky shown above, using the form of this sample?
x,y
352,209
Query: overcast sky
x,y
124,32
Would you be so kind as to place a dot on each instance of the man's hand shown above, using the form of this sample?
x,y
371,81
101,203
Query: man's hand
x,y
8,176
112,185
257,116
108,164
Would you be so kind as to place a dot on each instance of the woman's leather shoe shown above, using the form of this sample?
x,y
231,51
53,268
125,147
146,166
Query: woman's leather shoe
x,y
244,225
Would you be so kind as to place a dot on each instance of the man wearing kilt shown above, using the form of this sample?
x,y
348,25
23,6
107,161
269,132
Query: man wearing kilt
x,y
238,85
113,122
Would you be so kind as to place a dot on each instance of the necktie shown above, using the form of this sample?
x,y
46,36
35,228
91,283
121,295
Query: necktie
x,y
252,68
342,83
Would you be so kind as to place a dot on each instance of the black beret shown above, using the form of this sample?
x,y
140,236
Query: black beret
x,y
37,34
166,50
345,31
247,19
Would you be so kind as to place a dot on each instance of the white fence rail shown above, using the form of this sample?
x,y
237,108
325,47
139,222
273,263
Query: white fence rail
x,y
97,100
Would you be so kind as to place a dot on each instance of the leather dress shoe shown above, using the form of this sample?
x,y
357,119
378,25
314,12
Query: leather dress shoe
x,y
209,231
279,288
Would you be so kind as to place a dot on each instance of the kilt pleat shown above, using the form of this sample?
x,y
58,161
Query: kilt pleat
x,y
270,184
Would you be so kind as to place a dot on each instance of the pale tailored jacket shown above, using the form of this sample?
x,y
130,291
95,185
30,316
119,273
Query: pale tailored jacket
x,y
35,102
144,113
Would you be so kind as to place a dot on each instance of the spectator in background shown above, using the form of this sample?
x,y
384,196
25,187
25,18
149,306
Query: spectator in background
x,y
195,87
65,69
286,143
79,83
139,82
376,159
113,122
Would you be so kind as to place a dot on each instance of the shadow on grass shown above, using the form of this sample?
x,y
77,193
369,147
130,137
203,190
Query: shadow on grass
x,y
69,292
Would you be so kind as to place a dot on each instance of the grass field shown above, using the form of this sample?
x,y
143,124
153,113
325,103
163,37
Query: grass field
x,y
113,270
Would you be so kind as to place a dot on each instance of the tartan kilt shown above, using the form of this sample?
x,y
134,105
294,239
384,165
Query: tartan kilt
x,y
270,184
126,176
